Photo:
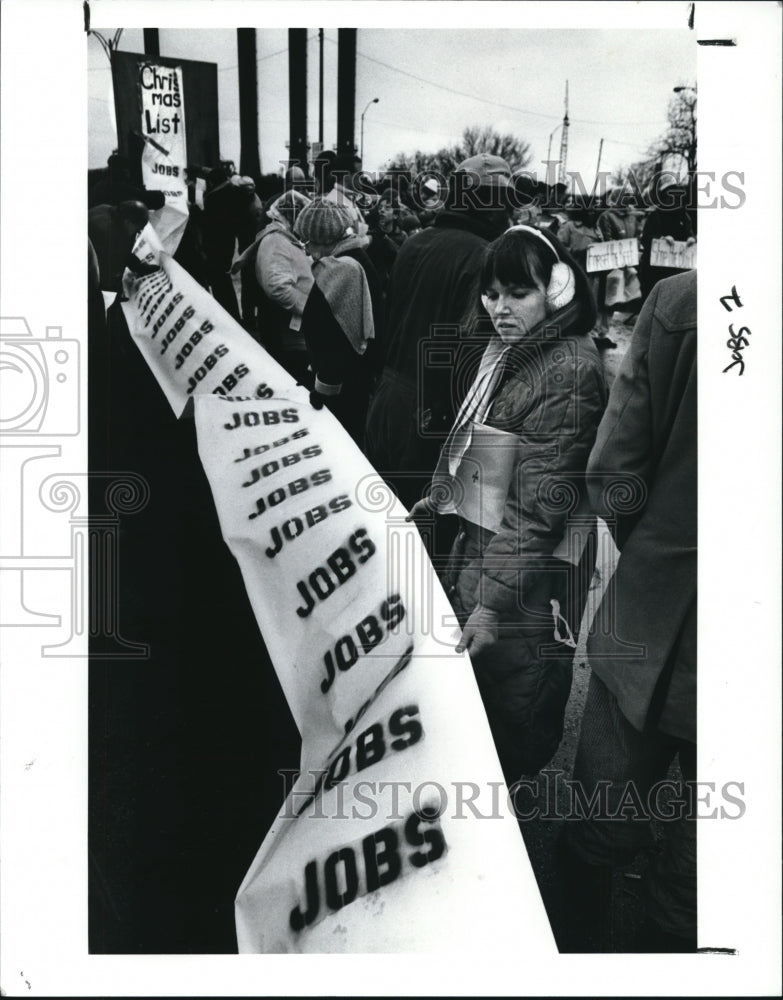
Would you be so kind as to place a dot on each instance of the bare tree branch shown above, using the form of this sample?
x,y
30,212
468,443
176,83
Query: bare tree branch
x,y
475,139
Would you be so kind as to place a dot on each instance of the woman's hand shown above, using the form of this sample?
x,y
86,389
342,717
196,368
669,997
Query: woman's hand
x,y
480,632
422,508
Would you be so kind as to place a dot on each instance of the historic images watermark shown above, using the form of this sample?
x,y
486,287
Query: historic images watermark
x,y
549,796
705,189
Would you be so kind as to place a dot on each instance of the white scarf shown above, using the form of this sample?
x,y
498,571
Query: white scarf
x,y
474,410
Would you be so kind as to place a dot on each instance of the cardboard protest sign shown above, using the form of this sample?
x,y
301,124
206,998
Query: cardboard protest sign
x,y
484,475
362,638
164,158
675,255
613,254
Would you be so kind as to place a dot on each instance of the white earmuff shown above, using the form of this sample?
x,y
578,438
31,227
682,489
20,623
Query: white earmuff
x,y
562,283
561,288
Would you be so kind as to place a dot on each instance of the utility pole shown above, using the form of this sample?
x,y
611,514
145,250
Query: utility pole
x,y
297,97
346,91
564,141
321,87
549,152
151,42
249,160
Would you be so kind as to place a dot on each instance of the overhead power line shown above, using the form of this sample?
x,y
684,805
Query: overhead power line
x,y
486,100
260,59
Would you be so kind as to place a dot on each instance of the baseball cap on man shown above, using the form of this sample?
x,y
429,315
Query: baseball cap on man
x,y
491,170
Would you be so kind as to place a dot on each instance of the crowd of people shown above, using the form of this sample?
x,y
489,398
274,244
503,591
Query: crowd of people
x,y
455,334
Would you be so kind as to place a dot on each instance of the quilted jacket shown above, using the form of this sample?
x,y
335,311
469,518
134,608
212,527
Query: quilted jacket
x,y
551,398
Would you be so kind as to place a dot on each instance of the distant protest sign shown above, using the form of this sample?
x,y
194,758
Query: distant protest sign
x,y
673,255
613,254
398,834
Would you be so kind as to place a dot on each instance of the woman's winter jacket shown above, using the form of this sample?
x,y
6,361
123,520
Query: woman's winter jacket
x,y
551,397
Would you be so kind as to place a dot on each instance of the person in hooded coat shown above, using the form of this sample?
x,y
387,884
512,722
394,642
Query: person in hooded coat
x,y
342,315
278,271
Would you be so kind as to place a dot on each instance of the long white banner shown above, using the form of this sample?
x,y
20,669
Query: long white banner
x,y
397,835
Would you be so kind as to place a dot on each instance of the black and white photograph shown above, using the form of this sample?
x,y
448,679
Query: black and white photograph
x,y
391,505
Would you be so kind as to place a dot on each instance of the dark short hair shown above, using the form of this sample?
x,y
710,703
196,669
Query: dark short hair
x,y
517,258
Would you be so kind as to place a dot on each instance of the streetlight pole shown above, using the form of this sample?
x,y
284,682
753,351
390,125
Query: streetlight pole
x,y
549,148
375,100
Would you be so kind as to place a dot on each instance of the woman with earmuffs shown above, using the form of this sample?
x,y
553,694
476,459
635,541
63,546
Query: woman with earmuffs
x,y
513,469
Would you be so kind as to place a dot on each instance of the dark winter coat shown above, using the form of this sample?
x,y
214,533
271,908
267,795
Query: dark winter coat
x,y
332,358
611,227
672,222
552,398
382,251
648,659
432,291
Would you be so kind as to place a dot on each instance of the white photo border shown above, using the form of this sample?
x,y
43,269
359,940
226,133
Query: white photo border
x,y
44,701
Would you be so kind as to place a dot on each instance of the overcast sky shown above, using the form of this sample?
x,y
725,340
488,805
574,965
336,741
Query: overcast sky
x,y
433,83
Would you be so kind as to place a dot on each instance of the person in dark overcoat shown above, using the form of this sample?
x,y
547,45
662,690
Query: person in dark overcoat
x,y
641,704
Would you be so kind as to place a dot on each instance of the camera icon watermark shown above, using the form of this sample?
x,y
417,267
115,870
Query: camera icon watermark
x,y
50,577
39,381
